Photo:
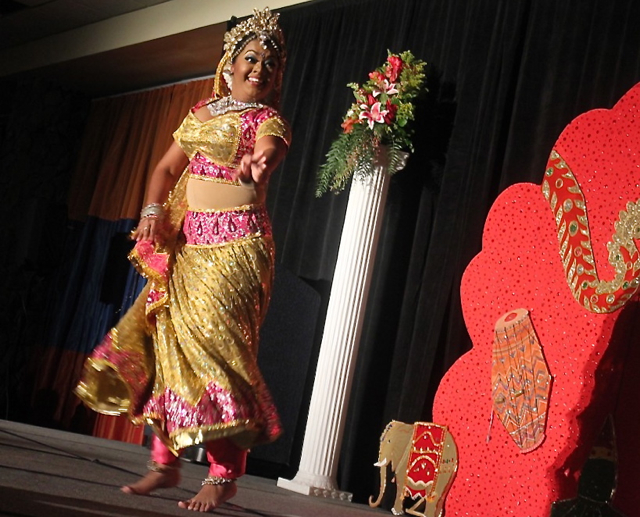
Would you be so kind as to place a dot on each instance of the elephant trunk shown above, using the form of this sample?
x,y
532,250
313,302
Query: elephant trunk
x,y
383,483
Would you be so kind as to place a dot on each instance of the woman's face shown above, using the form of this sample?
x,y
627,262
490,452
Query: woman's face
x,y
254,73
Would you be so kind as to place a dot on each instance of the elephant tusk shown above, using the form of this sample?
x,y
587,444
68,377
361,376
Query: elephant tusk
x,y
381,463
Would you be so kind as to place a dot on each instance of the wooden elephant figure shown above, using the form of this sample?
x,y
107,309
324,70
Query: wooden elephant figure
x,y
424,459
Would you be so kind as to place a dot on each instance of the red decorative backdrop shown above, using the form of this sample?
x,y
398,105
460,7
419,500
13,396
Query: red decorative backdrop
x,y
520,266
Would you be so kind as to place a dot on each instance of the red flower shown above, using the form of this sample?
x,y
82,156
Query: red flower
x,y
394,68
392,109
348,124
371,100
376,77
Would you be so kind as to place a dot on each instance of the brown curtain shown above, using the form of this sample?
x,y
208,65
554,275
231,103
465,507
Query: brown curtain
x,y
124,138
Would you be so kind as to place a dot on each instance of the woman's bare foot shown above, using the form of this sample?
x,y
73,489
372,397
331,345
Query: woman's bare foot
x,y
210,497
162,478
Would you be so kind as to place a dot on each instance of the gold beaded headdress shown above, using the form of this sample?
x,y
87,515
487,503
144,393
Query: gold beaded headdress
x,y
263,25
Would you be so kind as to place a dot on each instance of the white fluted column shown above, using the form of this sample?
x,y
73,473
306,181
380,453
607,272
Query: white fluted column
x,y
339,347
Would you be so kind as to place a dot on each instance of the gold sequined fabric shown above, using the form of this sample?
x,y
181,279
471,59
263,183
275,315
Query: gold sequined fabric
x,y
192,374
183,358
208,384
217,139
117,377
275,126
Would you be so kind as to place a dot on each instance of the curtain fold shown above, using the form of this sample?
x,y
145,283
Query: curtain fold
x,y
124,138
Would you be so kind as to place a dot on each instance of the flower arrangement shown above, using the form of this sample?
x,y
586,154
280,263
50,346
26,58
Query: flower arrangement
x,y
380,115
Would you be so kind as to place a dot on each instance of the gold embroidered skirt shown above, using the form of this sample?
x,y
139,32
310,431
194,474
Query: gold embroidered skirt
x,y
188,366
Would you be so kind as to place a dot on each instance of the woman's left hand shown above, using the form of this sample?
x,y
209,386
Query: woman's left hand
x,y
149,229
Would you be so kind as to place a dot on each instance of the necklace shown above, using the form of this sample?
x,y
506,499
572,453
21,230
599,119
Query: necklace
x,y
230,104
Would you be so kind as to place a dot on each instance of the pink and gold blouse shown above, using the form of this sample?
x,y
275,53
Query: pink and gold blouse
x,y
216,146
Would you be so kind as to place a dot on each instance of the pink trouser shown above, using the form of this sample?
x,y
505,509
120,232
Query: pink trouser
x,y
226,459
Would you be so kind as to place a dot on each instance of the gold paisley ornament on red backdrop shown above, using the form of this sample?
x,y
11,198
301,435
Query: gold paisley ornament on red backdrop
x,y
561,189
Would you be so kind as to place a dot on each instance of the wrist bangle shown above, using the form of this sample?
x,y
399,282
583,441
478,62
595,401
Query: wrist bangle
x,y
152,210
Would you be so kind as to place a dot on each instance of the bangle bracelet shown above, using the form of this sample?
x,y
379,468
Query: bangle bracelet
x,y
152,210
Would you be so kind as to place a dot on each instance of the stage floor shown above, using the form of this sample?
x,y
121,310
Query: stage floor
x,y
49,473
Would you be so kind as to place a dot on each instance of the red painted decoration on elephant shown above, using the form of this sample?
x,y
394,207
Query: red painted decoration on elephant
x,y
424,459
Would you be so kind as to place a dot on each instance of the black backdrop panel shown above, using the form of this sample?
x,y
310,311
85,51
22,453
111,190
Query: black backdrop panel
x,y
286,344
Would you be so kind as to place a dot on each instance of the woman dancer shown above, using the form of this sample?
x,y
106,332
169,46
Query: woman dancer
x,y
183,358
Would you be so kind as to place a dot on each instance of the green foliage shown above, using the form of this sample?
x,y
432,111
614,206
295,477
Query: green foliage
x,y
345,155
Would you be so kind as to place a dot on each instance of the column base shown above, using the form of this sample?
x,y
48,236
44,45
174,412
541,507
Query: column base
x,y
323,488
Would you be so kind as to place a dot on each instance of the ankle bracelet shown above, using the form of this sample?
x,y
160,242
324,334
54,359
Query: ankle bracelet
x,y
215,480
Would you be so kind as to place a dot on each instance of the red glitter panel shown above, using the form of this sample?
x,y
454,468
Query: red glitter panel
x,y
522,265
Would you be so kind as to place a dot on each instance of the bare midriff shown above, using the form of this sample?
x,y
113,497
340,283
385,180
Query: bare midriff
x,y
213,195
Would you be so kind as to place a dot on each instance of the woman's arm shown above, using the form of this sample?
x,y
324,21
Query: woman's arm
x,y
267,155
163,178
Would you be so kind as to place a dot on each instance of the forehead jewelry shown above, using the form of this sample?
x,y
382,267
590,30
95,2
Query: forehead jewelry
x,y
263,25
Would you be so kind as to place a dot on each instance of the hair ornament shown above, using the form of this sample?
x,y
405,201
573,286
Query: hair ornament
x,y
262,25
